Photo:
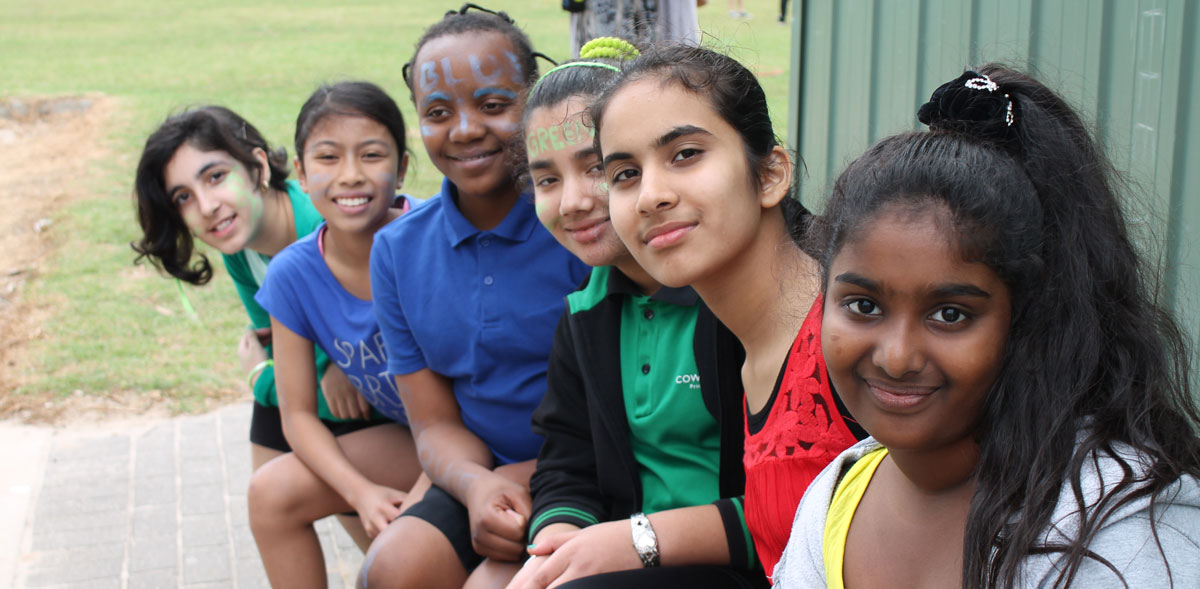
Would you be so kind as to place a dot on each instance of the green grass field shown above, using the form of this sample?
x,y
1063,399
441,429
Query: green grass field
x,y
116,328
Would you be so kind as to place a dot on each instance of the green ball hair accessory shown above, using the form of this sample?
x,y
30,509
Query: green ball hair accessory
x,y
608,48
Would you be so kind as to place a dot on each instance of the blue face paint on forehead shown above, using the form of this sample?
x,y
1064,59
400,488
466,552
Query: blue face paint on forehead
x,y
505,92
518,74
429,76
477,69
448,73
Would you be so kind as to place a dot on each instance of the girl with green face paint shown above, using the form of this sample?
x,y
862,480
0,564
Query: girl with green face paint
x,y
207,174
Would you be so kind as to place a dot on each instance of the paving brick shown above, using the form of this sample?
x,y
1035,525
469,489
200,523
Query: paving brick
x,y
204,471
54,540
153,490
102,487
65,521
243,542
250,574
90,448
204,530
152,521
155,579
64,556
94,584
202,499
153,552
74,571
205,565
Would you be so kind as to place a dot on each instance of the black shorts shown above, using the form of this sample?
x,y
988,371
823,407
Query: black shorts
x,y
450,518
697,576
266,427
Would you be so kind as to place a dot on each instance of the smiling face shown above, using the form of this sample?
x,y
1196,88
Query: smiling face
x,y
467,88
913,335
216,196
351,169
681,193
568,182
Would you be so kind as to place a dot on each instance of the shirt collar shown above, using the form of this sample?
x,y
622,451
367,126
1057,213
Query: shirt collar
x,y
620,284
517,226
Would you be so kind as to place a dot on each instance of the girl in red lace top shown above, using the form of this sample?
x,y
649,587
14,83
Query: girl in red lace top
x,y
701,198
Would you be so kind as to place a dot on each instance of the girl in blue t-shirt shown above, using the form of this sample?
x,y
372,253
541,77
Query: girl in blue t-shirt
x,y
351,157
468,290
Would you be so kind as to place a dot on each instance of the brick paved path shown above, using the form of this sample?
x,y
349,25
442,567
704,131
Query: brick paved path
x,y
162,506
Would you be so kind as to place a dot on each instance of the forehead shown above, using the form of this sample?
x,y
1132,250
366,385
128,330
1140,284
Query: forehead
x,y
644,110
472,59
558,129
908,246
342,127
188,160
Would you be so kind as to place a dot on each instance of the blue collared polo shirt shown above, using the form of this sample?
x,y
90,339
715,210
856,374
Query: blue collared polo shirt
x,y
478,307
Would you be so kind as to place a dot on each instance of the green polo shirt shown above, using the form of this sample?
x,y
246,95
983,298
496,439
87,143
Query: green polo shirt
x,y
676,441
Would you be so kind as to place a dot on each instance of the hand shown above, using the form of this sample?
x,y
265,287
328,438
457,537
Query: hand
x,y
499,509
250,349
377,506
558,558
344,400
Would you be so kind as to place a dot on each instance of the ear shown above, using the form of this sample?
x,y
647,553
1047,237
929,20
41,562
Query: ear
x,y
264,169
301,177
776,177
402,170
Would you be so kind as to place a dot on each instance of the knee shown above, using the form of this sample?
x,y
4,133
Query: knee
x,y
271,494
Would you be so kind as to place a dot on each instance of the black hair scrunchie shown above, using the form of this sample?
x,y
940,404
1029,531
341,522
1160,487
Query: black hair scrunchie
x,y
971,103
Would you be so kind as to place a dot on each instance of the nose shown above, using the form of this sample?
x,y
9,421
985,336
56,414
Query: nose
x,y
206,203
468,126
350,172
579,196
655,194
898,350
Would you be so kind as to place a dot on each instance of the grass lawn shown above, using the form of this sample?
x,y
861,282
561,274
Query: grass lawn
x,y
119,328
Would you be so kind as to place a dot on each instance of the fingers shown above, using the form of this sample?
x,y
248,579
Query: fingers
x,y
263,335
364,408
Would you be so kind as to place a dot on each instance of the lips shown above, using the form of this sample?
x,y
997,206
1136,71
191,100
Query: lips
x,y
474,159
587,231
667,234
222,227
899,396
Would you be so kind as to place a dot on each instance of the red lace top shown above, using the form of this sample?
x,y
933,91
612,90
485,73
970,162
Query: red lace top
x,y
801,433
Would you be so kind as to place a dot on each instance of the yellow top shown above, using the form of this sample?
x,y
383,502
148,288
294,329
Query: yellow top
x,y
841,512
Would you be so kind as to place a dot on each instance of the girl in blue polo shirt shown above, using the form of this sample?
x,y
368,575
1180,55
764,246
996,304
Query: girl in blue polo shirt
x,y
350,160
468,290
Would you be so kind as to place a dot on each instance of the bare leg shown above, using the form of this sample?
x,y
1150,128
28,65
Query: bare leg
x,y
492,574
260,455
354,528
286,498
411,553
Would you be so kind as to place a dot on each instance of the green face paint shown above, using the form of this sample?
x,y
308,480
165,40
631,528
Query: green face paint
x,y
543,209
558,137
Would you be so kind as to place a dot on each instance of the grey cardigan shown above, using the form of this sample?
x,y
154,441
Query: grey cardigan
x,y
1125,539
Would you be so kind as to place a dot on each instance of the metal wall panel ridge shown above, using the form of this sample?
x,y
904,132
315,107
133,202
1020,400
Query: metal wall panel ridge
x,y
863,67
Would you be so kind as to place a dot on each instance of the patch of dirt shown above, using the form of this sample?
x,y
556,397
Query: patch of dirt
x,y
48,146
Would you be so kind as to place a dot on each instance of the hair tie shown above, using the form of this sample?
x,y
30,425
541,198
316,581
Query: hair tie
x,y
574,64
971,103
609,48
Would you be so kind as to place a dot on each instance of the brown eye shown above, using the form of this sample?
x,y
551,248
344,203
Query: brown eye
x,y
863,307
949,315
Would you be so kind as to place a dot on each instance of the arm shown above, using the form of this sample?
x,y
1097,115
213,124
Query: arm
x,y
686,536
565,488
314,444
460,463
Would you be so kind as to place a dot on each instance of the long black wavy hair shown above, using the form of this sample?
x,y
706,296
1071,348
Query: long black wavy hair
x,y
166,240
734,94
1093,358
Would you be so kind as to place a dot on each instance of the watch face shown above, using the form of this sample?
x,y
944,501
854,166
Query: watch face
x,y
644,542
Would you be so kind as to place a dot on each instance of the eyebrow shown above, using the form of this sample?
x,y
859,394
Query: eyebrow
x,y
505,92
199,174
582,154
662,141
439,95
942,291
370,141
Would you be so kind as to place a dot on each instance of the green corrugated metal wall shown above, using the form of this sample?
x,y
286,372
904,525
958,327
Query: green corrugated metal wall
x,y
861,68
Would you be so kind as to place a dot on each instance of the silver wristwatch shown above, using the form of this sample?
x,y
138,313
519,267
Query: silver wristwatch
x,y
644,540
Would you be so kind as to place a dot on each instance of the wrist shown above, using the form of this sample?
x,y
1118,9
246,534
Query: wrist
x,y
645,542
252,378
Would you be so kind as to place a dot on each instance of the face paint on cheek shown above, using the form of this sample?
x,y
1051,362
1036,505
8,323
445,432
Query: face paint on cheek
x,y
426,131
541,207
318,185
477,70
507,127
